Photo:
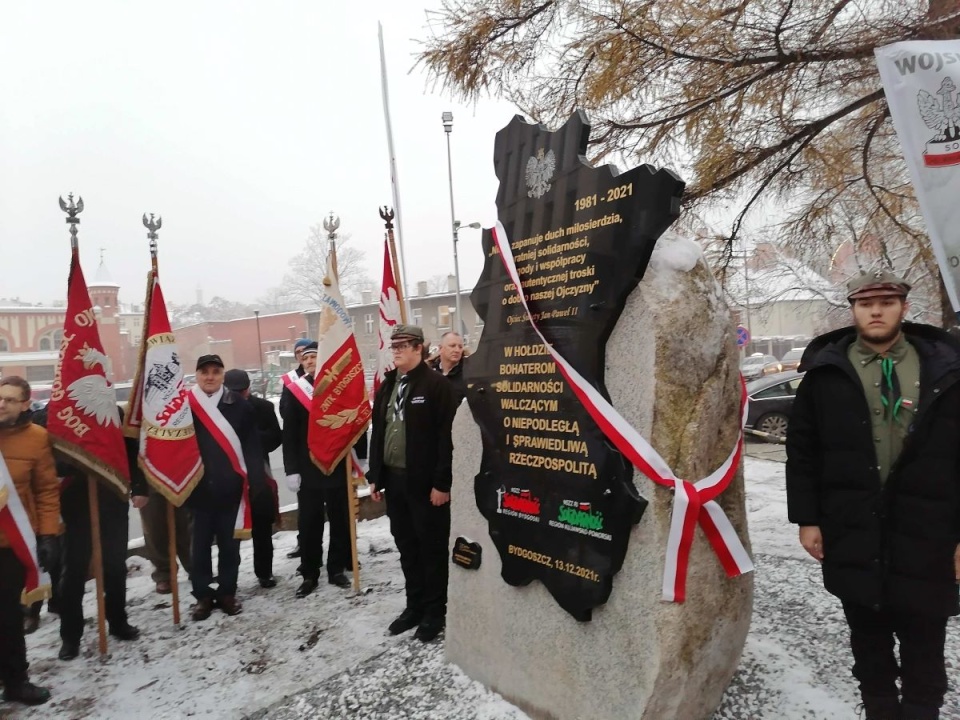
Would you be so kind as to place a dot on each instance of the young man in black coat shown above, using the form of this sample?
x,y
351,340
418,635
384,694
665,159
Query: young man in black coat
x,y
411,456
873,481
217,497
318,495
264,510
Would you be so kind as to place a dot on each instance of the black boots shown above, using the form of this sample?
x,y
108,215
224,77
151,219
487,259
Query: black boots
x,y
26,693
407,619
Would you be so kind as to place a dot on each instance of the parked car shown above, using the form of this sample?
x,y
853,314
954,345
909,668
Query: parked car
x,y
758,365
40,396
123,391
791,360
771,400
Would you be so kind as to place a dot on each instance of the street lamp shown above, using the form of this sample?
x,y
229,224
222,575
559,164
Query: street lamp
x,y
456,267
256,314
447,118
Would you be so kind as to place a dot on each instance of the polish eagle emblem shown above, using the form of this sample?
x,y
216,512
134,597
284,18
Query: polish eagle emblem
x,y
540,170
92,393
943,116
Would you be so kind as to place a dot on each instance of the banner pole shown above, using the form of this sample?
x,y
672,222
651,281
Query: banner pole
x,y
93,500
354,507
172,552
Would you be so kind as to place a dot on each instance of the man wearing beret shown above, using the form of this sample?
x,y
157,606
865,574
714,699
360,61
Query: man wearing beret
x,y
265,509
411,454
873,481
233,473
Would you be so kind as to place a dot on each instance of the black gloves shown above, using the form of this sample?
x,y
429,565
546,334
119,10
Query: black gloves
x,y
48,549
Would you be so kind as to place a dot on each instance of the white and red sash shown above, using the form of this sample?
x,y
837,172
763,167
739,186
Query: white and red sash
x,y
206,411
16,526
693,503
300,388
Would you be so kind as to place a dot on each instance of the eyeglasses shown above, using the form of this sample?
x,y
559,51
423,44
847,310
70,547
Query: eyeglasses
x,y
12,401
400,346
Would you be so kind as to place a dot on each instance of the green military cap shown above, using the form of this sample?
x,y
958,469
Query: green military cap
x,y
407,332
877,283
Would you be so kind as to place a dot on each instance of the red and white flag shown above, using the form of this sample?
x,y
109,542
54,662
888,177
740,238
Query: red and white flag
x,y
169,454
15,525
340,408
82,417
389,316
920,83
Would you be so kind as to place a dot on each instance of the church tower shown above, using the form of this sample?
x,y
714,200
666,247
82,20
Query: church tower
x,y
105,296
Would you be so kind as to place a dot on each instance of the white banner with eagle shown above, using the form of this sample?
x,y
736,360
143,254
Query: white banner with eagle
x,y
921,80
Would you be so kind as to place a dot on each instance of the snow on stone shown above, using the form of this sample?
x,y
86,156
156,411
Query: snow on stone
x,y
329,655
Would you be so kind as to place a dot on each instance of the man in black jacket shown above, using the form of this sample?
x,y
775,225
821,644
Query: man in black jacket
x,y
318,495
449,363
292,376
873,481
264,510
227,437
114,529
411,456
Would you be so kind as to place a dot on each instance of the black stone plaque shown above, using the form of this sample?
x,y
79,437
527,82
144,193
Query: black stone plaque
x,y
467,554
559,499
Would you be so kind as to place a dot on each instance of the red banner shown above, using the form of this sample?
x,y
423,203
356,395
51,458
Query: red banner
x,y
169,454
82,418
341,410
389,316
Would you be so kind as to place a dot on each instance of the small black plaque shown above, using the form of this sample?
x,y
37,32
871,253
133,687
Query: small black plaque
x,y
467,554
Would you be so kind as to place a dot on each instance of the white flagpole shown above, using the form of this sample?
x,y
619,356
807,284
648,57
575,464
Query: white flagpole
x,y
394,180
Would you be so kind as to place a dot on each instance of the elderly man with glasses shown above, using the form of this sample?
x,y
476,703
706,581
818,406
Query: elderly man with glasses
x,y
411,454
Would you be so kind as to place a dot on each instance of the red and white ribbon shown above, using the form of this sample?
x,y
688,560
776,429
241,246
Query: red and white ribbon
x,y
301,389
15,524
206,411
693,502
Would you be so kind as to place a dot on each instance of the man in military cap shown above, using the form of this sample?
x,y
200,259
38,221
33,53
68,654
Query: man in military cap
x,y
318,495
873,481
291,377
411,454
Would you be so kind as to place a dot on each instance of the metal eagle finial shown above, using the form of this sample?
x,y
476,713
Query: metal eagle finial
x,y
72,210
331,223
152,225
387,214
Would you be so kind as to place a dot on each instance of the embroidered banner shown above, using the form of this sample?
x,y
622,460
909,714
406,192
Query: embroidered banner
x,y
169,454
341,411
82,417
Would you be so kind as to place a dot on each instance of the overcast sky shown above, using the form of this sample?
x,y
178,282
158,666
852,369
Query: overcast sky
x,y
242,124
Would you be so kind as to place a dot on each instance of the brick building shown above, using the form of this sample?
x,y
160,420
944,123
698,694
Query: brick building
x,y
434,312
30,336
236,340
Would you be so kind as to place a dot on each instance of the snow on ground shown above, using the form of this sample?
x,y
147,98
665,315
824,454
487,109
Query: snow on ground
x,y
329,655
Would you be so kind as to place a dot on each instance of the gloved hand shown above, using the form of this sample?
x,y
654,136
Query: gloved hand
x,y
48,549
293,482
